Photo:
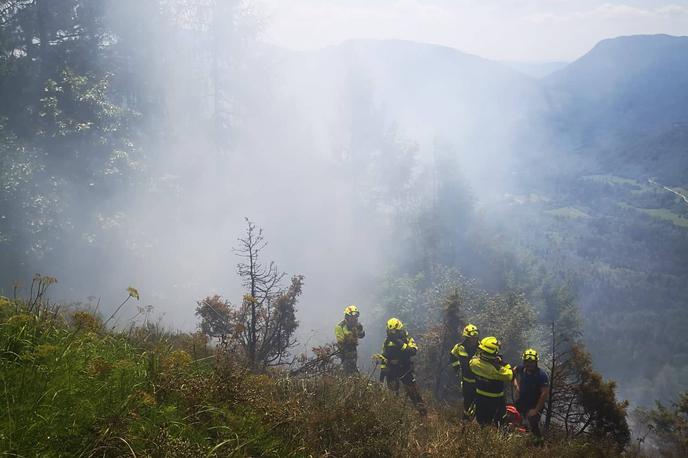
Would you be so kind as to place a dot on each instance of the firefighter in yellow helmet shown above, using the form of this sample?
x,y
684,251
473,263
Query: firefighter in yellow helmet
x,y
347,332
396,366
491,375
461,356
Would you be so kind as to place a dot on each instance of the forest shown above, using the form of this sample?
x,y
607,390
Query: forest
x,y
149,151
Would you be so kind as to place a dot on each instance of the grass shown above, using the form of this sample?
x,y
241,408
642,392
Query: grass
x,y
661,214
70,388
567,212
666,215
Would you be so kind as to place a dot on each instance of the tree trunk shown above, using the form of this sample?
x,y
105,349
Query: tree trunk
x,y
552,375
252,337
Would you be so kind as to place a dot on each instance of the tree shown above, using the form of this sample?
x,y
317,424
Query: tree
x,y
215,314
62,131
448,336
668,426
510,317
581,401
260,331
561,311
266,316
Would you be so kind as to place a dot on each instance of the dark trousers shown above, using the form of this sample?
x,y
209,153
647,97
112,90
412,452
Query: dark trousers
x,y
468,391
349,360
489,410
411,388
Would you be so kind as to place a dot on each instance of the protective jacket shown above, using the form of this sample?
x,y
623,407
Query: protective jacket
x,y
347,338
397,353
461,357
490,376
397,367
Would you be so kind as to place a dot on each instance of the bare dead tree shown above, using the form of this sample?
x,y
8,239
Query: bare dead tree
x,y
267,312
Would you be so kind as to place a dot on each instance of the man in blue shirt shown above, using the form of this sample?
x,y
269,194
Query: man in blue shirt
x,y
531,390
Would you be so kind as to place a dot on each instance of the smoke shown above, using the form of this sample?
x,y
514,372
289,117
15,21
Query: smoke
x,y
322,149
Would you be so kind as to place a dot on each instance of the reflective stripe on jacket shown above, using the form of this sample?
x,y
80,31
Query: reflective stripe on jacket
x,y
398,352
490,376
461,357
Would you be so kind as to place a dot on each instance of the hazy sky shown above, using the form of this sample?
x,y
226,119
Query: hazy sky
x,y
525,30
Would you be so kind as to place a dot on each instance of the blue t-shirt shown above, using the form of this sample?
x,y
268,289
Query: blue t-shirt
x,y
530,385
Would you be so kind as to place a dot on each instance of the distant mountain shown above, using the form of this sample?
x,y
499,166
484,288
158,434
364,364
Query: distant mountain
x,y
627,86
429,92
435,86
536,69
625,97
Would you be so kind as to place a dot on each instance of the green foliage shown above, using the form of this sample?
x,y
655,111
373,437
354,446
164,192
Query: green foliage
x,y
215,316
60,383
63,131
567,212
423,306
666,215
561,309
625,269
668,426
581,402
597,397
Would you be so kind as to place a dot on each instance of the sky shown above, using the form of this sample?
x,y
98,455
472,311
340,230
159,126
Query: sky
x,y
506,30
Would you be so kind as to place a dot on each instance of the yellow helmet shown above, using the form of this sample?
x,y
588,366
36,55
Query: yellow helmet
x,y
490,346
531,355
470,330
394,324
351,310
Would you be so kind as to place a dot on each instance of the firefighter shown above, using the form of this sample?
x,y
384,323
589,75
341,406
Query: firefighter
x,y
531,389
461,356
491,375
347,332
397,366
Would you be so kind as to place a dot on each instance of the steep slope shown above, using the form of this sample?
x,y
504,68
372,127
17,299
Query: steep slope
x,y
663,155
628,85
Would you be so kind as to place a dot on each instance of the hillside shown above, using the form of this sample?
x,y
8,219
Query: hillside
x,y
624,88
663,155
72,388
133,150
